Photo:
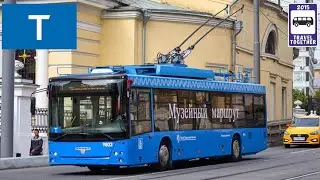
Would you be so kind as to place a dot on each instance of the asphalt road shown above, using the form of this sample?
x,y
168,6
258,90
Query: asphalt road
x,y
275,163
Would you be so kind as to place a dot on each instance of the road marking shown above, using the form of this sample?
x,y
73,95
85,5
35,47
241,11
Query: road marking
x,y
303,151
177,170
305,175
123,177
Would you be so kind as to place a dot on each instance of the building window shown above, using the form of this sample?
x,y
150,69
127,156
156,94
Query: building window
x,y
297,76
272,102
271,43
284,103
27,57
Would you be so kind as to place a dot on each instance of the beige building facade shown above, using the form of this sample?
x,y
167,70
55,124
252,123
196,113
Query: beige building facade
x,y
126,32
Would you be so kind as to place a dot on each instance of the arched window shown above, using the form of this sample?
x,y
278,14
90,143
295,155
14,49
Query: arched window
x,y
27,57
271,43
270,40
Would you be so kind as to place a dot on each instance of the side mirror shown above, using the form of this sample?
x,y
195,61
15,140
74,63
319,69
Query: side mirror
x,y
33,106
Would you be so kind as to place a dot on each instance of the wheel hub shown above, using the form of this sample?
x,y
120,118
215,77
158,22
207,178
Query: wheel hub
x,y
236,148
164,155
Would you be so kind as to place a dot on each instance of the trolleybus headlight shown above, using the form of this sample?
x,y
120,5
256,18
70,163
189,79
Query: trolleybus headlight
x,y
116,153
121,153
55,153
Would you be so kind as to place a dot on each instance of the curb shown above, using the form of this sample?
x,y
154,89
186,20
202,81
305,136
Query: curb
x,y
23,162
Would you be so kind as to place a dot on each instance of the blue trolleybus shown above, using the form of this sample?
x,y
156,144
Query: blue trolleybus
x,y
154,114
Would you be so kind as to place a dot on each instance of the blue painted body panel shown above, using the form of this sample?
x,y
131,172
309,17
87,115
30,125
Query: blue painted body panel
x,y
205,143
201,85
184,72
143,149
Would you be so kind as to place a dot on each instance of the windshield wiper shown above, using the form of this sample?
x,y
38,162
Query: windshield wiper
x,y
106,135
61,136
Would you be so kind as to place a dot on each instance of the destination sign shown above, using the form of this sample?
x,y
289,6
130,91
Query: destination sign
x,y
202,112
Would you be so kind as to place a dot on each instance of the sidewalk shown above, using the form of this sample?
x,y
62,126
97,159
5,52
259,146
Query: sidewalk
x,y
23,162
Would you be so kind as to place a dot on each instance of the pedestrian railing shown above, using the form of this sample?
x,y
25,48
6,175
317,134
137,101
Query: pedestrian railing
x,y
40,120
276,129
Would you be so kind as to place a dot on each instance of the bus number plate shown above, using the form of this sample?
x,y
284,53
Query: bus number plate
x,y
299,138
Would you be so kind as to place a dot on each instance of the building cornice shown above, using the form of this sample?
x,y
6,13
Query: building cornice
x,y
216,65
102,4
97,28
170,16
73,52
81,25
265,56
286,64
282,14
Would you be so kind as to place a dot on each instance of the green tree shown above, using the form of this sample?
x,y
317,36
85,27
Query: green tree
x,y
299,95
317,94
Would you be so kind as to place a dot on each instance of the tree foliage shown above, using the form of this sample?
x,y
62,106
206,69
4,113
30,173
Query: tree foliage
x,y
317,94
301,96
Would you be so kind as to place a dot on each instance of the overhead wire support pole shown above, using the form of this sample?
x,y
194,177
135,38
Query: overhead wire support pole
x,y
7,101
256,44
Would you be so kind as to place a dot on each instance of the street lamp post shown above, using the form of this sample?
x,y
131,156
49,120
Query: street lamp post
x,y
7,101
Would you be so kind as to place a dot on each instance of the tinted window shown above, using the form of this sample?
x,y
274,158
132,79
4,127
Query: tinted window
x,y
162,100
186,102
140,114
187,110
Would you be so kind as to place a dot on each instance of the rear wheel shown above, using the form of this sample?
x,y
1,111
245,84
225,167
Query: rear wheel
x,y
236,149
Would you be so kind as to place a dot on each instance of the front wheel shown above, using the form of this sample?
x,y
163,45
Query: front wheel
x,y
236,150
164,158
287,146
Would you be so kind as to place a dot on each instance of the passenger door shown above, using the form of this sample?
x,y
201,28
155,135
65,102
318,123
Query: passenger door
x,y
141,124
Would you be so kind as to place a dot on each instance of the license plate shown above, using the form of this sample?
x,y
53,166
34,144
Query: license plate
x,y
298,138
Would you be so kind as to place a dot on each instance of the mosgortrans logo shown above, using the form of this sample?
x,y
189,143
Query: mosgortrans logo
x,y
302,25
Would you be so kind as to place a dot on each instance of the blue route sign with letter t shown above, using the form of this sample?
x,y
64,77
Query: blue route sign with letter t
x,y
302,25
39,26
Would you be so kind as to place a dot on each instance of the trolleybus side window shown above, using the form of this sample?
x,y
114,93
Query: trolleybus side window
x,y
218,102
202,101
140,112
259,111
238,104
162,99
186,120
248,101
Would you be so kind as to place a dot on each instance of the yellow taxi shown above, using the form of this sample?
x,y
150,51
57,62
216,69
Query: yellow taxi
x,y
303,130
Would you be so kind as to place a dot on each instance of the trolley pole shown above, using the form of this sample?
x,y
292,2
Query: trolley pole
x,y
7,109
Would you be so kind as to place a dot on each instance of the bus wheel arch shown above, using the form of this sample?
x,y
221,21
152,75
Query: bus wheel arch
x,y
236,148
165,154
